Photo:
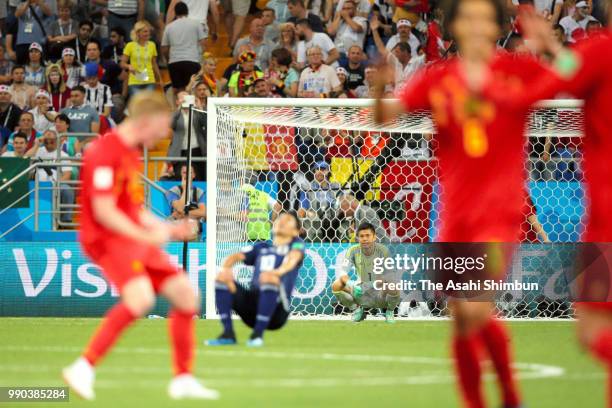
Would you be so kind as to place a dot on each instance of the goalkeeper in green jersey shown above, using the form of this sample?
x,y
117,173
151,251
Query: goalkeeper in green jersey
x,y
360,293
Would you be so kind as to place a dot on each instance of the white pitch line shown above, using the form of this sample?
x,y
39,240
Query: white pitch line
x,y
534,370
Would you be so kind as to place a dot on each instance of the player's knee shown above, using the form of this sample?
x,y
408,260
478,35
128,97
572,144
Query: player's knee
x,y
140,304
269,278
185,298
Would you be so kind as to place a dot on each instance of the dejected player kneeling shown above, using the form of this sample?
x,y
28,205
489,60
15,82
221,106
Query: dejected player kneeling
x,y
124,239
266,303
360,293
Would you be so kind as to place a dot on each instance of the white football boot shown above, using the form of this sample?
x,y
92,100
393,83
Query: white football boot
x,y
186,386
80,376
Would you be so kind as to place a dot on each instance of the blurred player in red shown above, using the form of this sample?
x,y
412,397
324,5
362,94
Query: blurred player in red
x,y
482,175
587,68
124,239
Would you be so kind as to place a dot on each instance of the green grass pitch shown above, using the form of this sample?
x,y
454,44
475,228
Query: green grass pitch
x,y
306,364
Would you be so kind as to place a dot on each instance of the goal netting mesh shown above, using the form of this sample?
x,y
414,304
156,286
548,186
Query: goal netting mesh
x,y
313,159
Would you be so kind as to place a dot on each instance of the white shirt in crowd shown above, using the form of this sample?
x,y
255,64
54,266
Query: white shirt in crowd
x,y
45,155
363,7
403,73
183,36
41,123
346,37
320,40
319,81
570,25
413,42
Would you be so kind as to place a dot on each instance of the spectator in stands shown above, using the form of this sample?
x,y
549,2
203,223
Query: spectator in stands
x,y
281,11
20,143
559,33
309,38
354,67
62,31
318,80
70,145
56,87
9,114
235,17
46,149
30,17
179,125
97,94
404,34
182,42
140,59
435,45
343,78
35,67
348,28
109,73
593,28
201,93
83,118
320,194
177,198
72,68
22,92
282,78
242,80
260,210
399,57
198,11
365,90
257,43
26,126
322,8
260,89
298,12
288,39
351,211
383,12
576,23
43,111
208,76
5,66
272,28
79,44
123,13
114,50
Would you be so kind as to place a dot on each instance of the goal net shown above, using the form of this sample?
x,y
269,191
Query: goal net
x,y
323,158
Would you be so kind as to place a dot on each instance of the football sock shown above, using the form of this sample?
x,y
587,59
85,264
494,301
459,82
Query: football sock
x,y
392,301
182,335
115,322
495,338
268,300
602,349
224,299
467,367
345,299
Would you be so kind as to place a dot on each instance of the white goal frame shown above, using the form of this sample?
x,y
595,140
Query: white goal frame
x,y
211,194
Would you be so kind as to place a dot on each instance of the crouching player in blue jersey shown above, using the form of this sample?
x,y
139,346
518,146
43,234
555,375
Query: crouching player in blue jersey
x,y
265,304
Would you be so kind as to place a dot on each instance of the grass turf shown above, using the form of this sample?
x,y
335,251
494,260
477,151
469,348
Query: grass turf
x,y
306,364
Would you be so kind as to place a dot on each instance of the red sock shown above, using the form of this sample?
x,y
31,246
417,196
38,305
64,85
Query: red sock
x,y
602,349
115,322
467,366
497,342
182,335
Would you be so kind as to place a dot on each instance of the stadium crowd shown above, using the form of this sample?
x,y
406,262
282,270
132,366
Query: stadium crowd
x,y
69,66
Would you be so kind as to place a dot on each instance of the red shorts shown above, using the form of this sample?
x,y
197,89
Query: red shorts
x,y
457,229
123,259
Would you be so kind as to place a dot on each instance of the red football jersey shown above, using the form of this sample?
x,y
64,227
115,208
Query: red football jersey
x,y
109,168
593,83
481,140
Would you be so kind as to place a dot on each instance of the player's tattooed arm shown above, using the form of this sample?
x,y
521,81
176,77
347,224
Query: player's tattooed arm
x,y
293,258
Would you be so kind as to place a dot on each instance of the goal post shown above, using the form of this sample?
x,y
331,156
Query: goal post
x,y
318,155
